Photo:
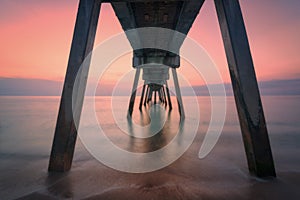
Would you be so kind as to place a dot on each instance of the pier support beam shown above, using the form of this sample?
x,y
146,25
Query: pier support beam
x,y
83,41
178,93
245,87
133,93
164,95
159,96
150,94
147,95
142,96
169,98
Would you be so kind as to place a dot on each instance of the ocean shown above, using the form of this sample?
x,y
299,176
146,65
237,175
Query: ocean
x,y
27,127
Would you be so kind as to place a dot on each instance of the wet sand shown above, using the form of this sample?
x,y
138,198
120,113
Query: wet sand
x,y
223,174
216,177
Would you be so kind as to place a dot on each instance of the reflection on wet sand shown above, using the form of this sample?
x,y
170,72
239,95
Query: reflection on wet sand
x,y
221,175
152,120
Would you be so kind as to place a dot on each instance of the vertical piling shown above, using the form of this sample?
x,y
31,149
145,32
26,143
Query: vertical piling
x,y
178,93
83,41
169,98
147,95
133,93
142,96
245,87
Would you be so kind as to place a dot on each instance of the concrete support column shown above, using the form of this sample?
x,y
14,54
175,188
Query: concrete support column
x,y
147,95
160,96
142,96
82,44
133,93
150,95
246,92
169,97
164,96
178,93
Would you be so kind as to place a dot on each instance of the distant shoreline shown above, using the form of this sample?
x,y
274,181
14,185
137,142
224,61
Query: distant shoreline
x,y
40,87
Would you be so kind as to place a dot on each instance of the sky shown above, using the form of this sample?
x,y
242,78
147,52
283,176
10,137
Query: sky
x,y
36,36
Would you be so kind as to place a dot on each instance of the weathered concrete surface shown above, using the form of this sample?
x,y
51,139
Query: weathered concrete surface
x,y
82,44
178,93
246,92
164,96
146,96
169,97
142,96
133,93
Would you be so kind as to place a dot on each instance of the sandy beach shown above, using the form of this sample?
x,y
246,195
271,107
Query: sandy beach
x,y
26,138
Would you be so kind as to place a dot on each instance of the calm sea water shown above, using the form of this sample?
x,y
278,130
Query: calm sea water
x,y
27,127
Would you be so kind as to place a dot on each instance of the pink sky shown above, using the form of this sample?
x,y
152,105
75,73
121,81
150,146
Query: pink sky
x,y
36,36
